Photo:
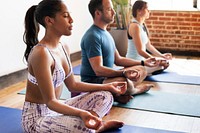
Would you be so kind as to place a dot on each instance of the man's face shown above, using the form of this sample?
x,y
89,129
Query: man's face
x,y
108,12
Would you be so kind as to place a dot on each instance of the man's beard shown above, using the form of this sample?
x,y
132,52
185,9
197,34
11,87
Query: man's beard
x,y
107,21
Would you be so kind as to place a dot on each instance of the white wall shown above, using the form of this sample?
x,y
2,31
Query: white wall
x,y
12,27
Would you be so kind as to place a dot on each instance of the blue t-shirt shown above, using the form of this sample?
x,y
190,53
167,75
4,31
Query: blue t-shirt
x,y
96,42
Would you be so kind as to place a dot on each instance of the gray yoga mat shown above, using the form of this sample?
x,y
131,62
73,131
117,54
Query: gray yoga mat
x,y
164,102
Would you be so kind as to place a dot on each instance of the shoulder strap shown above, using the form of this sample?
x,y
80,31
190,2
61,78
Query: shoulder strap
x,y
47,49
145,29
68,60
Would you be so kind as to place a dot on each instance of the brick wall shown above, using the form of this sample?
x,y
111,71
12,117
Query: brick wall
x,y
175,31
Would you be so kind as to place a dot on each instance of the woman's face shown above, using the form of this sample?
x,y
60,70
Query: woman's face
x,y
62,23
144,12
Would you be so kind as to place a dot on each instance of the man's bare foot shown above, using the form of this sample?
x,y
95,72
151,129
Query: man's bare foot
x,y
108,125
123,98
140,89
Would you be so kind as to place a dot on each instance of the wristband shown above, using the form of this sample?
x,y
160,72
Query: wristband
x,y
142,62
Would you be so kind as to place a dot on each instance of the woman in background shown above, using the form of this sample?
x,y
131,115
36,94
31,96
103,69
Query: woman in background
x,y
48,67
139,45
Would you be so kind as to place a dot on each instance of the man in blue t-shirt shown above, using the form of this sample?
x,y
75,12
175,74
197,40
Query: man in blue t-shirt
x,y
96,42
99,55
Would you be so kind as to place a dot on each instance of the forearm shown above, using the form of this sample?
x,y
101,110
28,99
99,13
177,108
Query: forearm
x,y
62,108
127,62
87,87
144,54
154,51
107,72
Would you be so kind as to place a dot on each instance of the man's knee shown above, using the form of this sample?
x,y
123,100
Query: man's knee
x,y
142,70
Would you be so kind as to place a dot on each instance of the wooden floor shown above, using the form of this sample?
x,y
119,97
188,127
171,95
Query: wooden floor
x,y
10,98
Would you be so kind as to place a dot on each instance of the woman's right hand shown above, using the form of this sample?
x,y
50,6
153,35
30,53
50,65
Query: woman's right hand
x,y
90,121
167,56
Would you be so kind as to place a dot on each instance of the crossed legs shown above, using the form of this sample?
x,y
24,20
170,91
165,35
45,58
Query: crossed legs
x,y
133,87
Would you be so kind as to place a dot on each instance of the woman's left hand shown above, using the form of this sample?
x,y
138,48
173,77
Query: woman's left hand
x,y
167,56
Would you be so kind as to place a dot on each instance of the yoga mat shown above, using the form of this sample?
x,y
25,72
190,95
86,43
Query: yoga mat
x,y
167,76
77,69
10,120
173,77
156,101
136,129
164,102
182,71
64,95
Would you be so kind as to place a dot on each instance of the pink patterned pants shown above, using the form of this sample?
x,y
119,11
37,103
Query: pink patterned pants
x,y
38,118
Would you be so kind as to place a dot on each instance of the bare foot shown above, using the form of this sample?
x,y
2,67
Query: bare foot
x,y
140,89
166,65
108,125
123,98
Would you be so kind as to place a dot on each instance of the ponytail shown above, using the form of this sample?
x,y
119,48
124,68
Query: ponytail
x,y
35,16
30,36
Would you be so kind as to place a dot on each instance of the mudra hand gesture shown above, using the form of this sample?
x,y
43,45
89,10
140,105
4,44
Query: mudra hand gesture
x,y
118,88
151,62
167,56
132,74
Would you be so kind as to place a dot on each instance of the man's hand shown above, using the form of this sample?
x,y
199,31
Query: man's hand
x,y
118,88
132,74
151,62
